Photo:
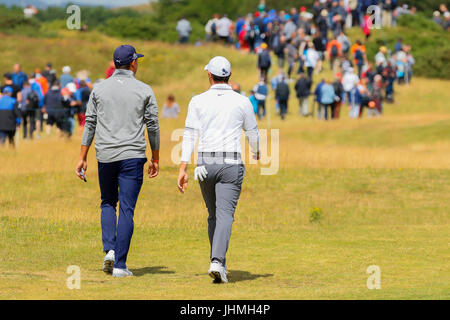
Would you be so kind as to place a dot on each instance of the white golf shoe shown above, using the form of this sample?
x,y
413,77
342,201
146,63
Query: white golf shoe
x,y
121,273
218,272
108,263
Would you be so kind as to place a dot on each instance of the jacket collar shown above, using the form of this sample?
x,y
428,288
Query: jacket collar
x,y
126,73
222,86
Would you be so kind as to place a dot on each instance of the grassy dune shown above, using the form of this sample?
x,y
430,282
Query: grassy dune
x,y
381,186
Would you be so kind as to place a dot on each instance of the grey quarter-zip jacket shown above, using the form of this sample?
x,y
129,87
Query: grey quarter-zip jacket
x,y
119,110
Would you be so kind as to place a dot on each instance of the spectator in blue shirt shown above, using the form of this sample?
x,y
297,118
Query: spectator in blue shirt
x,y
261,91
9,116
318,94
66,77
18,77
327,98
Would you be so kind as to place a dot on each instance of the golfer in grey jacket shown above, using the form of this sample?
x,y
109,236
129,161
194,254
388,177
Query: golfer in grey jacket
x,y
218,116
119,110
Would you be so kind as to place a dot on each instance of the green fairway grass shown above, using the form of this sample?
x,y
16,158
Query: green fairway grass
x,y
349,194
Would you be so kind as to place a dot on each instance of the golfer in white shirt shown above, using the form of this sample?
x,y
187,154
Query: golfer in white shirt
x,y
218,117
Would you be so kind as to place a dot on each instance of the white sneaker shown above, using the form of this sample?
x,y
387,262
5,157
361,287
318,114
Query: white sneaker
x,y
108,263
218,272
121,273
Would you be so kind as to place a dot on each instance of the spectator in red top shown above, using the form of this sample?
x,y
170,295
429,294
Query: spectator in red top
x,y
367,25
110,70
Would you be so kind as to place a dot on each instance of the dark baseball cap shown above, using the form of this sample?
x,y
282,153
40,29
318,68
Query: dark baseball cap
x,y
125,54
8,76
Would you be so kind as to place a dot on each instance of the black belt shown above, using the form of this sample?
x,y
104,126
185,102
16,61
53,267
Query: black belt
x,y
225,155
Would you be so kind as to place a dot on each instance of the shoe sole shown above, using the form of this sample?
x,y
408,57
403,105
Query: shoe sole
x,y
108,266
216,277
120,276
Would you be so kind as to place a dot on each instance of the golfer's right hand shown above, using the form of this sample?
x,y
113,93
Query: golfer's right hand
x,y
153,170
183,180
82,164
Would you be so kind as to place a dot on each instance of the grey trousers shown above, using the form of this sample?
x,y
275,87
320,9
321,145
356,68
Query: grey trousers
x,y
221,190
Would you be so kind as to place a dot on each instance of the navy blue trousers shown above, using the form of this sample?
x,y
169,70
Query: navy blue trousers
x,y
121,182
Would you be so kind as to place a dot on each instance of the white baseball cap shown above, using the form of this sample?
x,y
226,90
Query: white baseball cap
x,y
66,69
72,87
219,66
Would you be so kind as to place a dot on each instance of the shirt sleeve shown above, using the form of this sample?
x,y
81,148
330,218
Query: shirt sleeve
x,y
91,121
152,122
192,120
191,133
251,127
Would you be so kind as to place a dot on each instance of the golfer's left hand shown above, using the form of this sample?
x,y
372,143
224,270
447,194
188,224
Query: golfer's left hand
x,y
82,165
200,173
153,170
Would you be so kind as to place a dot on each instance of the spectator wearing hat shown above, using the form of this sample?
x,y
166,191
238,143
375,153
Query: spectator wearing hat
x,y
66,77
381,60
322,24
264,61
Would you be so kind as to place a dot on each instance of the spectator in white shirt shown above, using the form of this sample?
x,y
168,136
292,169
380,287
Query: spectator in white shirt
x,y
223,28
184,30
349,83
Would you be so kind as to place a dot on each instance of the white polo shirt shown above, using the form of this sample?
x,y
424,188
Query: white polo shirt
x,y
223,27
218,116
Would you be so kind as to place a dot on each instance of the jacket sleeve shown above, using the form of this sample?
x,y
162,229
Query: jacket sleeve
x,y
152,121
91,121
